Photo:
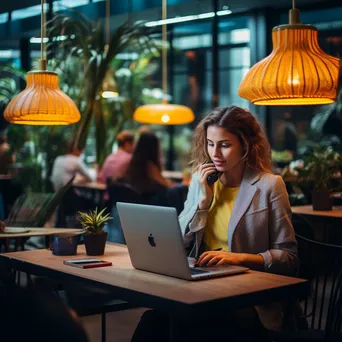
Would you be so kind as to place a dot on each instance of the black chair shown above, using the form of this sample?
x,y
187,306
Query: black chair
x,y
321,265
122,192
119,192
91,300
70,204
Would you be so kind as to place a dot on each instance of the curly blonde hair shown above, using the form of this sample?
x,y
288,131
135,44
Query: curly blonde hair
x,y
244,125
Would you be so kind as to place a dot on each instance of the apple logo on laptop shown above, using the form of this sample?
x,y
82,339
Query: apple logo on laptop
x,y
151,241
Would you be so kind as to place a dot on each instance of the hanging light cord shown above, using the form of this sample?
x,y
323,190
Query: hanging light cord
x,y
42,62
294,15
107,22
164,51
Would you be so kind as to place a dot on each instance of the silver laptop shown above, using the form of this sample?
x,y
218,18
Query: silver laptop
x,y
155,243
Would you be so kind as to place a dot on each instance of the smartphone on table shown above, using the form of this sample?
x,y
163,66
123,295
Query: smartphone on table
x,y
87,263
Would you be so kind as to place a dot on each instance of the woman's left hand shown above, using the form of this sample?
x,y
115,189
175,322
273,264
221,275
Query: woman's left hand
x,y
216,258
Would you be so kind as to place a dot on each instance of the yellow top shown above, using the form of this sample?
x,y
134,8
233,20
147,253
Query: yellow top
x,y
216,230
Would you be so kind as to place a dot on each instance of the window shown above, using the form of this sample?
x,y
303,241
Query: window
x,y
61,5
3,18
234,59
28,12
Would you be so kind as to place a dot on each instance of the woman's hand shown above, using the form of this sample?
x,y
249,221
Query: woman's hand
x,y
204,171
217,258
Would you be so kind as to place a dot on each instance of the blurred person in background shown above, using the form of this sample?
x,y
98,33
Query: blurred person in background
x,y
145,171
69,165
64,168
7,158
116,164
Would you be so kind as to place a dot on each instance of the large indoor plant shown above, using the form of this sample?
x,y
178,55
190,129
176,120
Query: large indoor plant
x,y
322,169
94,236
85,43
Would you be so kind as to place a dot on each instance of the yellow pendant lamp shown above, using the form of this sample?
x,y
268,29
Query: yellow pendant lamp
x,y
42,102
109,89
164,113
297,72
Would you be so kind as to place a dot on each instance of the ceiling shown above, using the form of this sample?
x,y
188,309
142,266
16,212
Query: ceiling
x,y
10,39
7,6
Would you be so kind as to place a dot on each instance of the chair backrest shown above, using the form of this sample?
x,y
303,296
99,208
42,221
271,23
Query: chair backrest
x,y
26,208
123,192
321,264
35,209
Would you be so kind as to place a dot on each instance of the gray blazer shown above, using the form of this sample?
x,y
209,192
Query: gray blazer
x,y
260,223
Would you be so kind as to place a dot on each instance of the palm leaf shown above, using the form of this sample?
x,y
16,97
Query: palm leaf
x,y
85,40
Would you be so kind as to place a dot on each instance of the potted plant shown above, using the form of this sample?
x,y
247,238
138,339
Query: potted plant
x,y
94,236
322,167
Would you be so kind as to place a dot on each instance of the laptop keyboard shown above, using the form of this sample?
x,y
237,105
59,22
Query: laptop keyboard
x,y
195,271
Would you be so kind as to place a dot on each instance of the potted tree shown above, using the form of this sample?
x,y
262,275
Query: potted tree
x,y
322,167
94,236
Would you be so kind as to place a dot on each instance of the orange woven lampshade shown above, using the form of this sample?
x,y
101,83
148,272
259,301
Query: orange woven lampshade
x,y
297,72
164,114
42,102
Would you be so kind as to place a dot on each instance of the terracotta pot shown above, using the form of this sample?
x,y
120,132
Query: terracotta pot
x,y
95,244
321,201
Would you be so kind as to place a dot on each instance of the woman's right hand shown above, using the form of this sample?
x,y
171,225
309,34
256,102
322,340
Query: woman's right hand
x,y
204,171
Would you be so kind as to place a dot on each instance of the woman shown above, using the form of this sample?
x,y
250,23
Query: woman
x,y
244,218
144,170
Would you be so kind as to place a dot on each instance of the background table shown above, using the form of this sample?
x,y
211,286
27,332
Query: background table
x,y
326,224
308,210
34,231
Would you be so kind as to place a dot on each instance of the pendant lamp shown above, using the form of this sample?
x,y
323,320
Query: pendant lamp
x,y
42,102
297,72
109,89
164,113
109,85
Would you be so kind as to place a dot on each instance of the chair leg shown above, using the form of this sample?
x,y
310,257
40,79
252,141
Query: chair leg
x,y
7,243
22,243
103,327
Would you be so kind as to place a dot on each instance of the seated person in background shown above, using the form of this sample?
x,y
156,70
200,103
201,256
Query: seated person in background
x,y
64,168
144,171
116,164
6,156
67,166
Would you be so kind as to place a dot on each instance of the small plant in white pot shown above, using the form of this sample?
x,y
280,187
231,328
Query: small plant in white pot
x,y
94,236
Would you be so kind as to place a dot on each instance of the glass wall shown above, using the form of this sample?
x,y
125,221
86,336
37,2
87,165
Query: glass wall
x,y
192,71
234,59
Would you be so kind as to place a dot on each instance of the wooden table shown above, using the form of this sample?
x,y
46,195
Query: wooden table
x,y
34,231
308,210
6,177
325,223
92,190
92,186
173,175
178,297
